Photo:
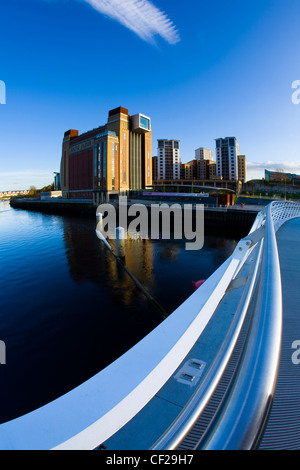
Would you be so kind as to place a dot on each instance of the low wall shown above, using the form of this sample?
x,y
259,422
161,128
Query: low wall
x,y
63,207
231,221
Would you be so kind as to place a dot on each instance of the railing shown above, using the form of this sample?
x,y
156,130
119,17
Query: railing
x,y
283,211
242,417
97,409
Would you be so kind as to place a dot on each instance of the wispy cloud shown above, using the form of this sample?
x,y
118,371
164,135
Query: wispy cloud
x,y
140,16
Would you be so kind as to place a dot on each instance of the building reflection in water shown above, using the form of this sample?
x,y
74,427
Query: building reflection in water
x,y
163,267
77,310
89,259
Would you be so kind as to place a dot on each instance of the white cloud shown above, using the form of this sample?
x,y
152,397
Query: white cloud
x,y
23,179
140,16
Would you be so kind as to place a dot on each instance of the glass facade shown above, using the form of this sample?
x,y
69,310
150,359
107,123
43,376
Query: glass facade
x,y
104,164
97,163
113,152
144,123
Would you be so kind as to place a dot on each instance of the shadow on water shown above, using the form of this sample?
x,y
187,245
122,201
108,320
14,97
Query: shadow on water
x,y
68,309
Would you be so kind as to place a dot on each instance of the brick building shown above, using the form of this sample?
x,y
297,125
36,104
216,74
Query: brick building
x,y
110,159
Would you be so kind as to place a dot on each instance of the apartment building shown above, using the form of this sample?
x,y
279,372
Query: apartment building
x,y
168,159
242,168
203,155
227,151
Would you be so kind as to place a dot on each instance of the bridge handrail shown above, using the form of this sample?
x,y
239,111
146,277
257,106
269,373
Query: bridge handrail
x,y
244,415
283,211
94,411
245,425
191,412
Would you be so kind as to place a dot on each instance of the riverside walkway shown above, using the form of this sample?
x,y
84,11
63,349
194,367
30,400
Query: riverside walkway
x,y
216,374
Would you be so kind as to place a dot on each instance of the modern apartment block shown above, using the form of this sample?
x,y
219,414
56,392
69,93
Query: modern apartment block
x,y
227,151
203,154
206,167
113,158
242,170
198,170
154,168
168,159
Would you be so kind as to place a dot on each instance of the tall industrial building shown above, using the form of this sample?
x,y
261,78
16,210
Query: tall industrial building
x,y
113,158
227,151
168,159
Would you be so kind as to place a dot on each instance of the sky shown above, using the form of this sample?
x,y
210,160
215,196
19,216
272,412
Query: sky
x,y
200,70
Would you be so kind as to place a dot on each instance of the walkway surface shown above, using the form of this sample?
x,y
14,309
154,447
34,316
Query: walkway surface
x,y
283,428
165,407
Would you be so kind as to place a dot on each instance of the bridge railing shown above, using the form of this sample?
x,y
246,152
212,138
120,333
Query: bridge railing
x,y
242,417
94,411
283,211
91,413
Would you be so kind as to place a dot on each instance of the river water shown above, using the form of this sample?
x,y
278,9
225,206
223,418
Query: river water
x,y
68,309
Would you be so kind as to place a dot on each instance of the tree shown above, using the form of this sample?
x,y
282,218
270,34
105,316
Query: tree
x,y
47,188
33,192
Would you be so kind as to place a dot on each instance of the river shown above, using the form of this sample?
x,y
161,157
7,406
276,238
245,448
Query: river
x,y
68,309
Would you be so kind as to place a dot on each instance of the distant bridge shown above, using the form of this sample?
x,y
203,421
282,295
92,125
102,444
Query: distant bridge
x,y
218,373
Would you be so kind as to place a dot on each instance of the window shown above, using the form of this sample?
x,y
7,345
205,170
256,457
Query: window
x,y
113,166
144,123
104,161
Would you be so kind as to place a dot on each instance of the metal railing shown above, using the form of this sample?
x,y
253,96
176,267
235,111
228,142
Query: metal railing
x,y
97,409
244,415
241,417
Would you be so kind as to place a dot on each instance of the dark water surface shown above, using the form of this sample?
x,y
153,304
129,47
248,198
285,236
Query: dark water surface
x,y
67,309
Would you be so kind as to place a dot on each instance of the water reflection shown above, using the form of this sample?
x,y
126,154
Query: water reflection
x,y
90,260
163,267
68,309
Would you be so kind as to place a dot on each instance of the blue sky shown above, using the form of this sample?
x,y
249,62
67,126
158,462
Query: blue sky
x,y
201,70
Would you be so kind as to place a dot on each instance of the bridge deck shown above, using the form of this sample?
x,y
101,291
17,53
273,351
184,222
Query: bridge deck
x,y
283,428
148,425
